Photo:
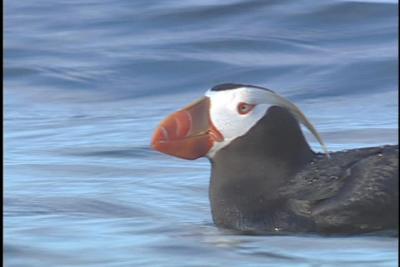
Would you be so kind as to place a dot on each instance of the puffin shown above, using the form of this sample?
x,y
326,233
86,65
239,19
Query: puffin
x,y
265,178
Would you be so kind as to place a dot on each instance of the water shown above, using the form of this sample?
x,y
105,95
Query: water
x,y
86,83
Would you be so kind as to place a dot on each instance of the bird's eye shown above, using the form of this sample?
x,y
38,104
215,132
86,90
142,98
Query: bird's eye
x,y
244,108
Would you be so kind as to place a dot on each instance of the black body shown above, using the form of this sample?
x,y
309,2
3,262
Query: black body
x,y
269,180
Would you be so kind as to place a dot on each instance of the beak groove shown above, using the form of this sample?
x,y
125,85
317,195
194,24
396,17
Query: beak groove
x,y
187,133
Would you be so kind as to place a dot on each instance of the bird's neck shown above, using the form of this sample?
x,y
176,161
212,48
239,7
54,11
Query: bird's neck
x,y
247,174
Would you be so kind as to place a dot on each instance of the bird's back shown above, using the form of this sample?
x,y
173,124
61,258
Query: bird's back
x,y
353,191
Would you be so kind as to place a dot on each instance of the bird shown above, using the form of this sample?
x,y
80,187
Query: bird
x,y
266,179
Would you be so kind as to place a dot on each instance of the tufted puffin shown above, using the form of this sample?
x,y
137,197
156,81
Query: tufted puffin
x,y
265,177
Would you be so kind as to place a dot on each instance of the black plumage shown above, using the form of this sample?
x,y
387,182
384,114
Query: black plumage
x,y
269,180
231,86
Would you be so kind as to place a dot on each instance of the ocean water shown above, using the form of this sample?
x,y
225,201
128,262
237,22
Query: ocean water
x,y
86,83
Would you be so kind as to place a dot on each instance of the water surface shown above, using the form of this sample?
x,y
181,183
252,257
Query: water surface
x,y
86,83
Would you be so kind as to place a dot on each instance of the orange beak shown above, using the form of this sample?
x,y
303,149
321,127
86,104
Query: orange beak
x,y
187,133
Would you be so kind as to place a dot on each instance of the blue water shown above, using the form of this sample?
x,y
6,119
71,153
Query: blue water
x,y
86,83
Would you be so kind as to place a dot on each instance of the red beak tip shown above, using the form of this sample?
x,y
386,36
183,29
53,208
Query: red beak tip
x,y
184,134
154,144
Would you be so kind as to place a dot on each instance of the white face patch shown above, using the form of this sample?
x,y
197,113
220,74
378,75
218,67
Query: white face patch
x,y
226,118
